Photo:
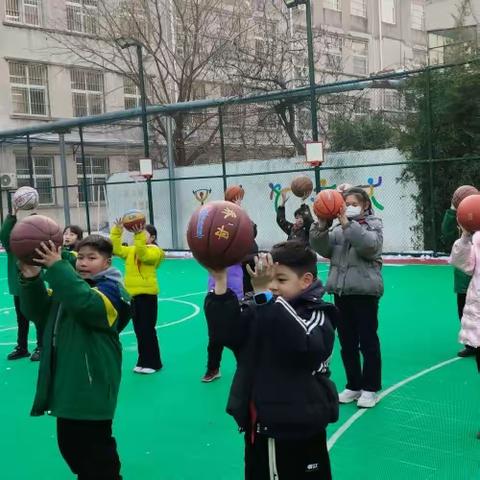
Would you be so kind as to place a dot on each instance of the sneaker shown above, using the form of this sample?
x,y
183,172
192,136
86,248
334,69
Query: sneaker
x,y
148,371
17,353
211,375
466,352
349,396
138,369
367,400
35,357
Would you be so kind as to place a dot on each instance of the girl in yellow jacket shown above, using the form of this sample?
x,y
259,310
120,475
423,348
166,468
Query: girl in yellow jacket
x,y
141,262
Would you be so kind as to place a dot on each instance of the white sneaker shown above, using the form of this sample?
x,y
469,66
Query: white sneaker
x,y
367,400
349,396
138,369
147,371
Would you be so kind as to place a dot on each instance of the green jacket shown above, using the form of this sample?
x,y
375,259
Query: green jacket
x,y
450,234
12,274
80,366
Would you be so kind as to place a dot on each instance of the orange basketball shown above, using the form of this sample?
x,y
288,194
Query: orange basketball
x,y
468,213
328,204
463,192
133,219
233,192
301,186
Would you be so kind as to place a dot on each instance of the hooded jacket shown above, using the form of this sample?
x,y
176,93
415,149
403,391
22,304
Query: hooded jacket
x,y
282,351
355,254
80,366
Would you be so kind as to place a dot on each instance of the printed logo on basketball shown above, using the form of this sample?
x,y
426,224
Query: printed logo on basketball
x,y
228,212
202,216
222,233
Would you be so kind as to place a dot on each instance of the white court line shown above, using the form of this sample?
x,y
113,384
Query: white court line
x,y
345,426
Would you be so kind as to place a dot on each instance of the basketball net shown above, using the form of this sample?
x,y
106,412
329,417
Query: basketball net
x,y
140,191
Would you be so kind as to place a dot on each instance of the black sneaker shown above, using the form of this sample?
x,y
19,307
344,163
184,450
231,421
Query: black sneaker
x,y
17,353
466,352
35,357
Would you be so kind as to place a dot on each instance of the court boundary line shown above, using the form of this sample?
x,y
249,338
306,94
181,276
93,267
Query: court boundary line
x,y
351,420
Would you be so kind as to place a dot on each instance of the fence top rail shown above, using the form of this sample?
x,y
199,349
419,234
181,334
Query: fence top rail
x,y
376,80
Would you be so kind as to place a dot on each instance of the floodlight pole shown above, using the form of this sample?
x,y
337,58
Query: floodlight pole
x,y
311,75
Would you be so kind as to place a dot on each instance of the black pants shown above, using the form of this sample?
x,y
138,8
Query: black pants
x,y
214,351
89,448
305,459
357,331
23,326
145,310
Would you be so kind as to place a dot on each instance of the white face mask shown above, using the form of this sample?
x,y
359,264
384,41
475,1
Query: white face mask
x,y
352,212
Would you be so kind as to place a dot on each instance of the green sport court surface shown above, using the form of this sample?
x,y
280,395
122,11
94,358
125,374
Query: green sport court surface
x,y
170,426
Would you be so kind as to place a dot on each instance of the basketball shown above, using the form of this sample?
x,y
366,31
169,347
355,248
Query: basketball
x,y
133,219
29,233
468,213
462,192
328,204
233,192
25,198
220,234
301,186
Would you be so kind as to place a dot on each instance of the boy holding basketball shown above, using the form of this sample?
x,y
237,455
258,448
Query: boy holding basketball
x,y
300,229
80,367
282,340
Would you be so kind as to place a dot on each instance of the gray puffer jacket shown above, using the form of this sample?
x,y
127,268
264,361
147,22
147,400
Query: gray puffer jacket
x,y
355,254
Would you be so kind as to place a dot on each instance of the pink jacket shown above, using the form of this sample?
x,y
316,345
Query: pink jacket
x,y
466,256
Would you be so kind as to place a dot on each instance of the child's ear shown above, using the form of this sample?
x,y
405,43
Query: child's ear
x,y
307,279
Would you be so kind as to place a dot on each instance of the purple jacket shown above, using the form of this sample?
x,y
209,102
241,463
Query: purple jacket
x,y
234,280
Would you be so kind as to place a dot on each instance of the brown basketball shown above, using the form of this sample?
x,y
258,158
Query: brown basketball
x,y
234,192
301,186
220,234
468,213
463,192
133,219
29,233
328,204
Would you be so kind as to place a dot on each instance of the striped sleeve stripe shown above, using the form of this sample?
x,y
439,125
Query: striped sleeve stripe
x,y
109,308
317,318
292,312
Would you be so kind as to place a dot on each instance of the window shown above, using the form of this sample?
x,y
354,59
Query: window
x,y
23,11
43,177
131,94
87,92
334,48
333,5
97,169
28,84
388,11
82,16
360,57
392,100
418,15
359,8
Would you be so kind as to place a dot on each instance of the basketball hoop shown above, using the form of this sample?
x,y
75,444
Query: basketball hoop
x,y
314,153
146,168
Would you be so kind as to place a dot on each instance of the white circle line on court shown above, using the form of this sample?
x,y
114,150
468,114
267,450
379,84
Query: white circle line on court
x,y
345,426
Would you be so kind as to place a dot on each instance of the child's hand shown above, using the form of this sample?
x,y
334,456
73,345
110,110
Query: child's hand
x,y
263,273
136,229
285,198
118,223
28,271
342,217
48,254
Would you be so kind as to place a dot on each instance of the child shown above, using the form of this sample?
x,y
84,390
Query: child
x,y
21,349
450,233
282,342
80,367
72,235
141,262
354,248
299,230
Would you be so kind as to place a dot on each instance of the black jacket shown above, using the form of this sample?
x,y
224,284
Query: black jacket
x,y
282,351
301,234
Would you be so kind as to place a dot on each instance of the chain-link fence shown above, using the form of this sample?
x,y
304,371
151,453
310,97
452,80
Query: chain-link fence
x,y
408,138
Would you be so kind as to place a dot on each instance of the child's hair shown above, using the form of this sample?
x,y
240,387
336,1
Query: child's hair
x,y
101,244
361,195
74,229
299,213
152,231
296,256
